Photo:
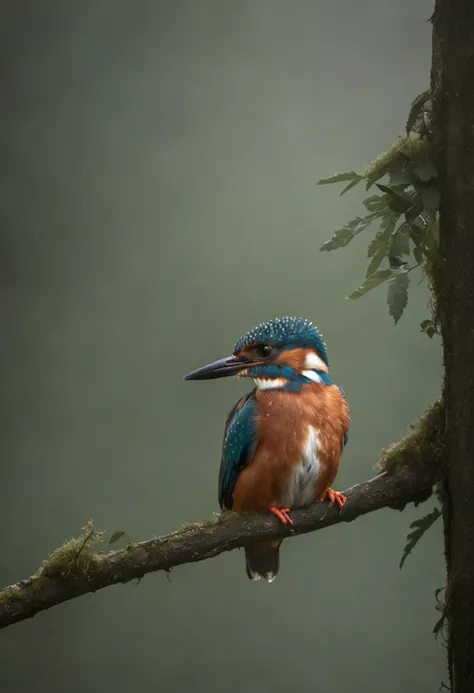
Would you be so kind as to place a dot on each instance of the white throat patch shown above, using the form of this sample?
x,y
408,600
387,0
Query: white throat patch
x,y
270,383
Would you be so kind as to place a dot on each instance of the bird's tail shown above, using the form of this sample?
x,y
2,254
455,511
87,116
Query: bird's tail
x,y
263,560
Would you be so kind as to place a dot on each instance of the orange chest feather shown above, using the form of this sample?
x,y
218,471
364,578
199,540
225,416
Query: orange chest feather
x,y
300,440
284,419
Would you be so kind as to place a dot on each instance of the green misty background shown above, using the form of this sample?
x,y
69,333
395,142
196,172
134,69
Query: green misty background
x,y
159,169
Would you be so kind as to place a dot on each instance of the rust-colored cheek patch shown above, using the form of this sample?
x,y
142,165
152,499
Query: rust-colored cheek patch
x,y
296,358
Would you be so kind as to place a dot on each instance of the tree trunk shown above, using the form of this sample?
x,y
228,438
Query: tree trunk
x,y
453,127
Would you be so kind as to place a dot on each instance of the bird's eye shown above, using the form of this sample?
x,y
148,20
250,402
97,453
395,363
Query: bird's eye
x,y
264,350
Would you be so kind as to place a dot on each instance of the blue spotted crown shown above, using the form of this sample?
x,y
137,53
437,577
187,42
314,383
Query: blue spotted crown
x,y
285,332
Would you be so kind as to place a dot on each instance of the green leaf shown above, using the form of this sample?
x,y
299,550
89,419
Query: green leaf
x,y
419,527
400,241
340,178
425,170
442,607
388,221
430,197
378,250
371,282
429,328
360,223
397,296
400,189
116,536
397,263
416,207
399,177
416,110
350,185
439,624
378,242
345,235
396,201
384,188
375,203
417,230
340,238
418,254
440,604
376,261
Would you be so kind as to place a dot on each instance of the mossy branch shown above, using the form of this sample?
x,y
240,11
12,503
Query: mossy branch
x,y
411,468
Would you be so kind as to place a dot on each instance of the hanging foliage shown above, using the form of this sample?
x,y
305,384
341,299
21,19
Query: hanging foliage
x,y
404,212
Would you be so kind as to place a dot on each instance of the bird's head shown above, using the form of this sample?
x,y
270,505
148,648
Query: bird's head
x,y
279,354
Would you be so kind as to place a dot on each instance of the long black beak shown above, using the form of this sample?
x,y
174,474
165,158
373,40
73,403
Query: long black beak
x,y
219,369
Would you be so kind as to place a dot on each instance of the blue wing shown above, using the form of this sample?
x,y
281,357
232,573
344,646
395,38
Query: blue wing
x,y
240,438
346,435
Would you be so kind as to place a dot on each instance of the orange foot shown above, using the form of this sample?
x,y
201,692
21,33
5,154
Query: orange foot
x,y
334,497
282,514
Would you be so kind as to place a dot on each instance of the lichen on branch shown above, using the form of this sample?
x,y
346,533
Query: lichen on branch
x,y
72,559
423,445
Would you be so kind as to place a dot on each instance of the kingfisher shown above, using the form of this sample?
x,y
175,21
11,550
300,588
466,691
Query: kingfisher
x,y
283,440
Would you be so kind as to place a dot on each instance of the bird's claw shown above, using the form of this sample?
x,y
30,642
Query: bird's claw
x,y
334,497
283,515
